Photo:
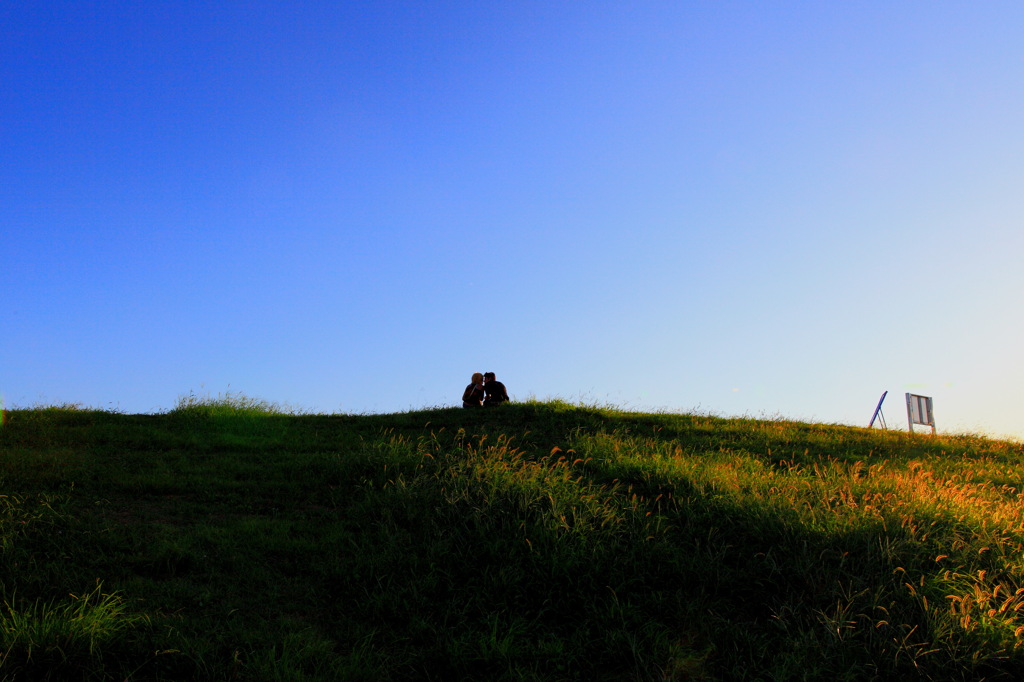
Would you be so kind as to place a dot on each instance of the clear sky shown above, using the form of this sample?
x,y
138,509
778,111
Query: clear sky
x,y
738,208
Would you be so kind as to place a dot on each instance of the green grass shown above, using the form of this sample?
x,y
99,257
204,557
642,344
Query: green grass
x,y
233,539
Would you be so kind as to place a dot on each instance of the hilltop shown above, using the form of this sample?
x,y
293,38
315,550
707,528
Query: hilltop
x,y
227,539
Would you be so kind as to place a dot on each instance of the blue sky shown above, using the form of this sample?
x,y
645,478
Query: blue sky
x,y
764,209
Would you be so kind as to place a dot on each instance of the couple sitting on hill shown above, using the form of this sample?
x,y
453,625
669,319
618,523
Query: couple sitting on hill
x,y
484,390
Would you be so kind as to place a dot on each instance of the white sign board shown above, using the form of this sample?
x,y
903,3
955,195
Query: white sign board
x,y
919,411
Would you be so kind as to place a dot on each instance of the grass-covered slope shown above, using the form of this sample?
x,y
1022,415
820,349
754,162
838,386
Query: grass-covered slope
x,y
226,540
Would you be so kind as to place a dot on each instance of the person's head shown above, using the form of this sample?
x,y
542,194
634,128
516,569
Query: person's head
x,y
478,378
488,376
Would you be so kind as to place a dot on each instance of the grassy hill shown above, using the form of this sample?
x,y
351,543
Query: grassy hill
x,y
542,541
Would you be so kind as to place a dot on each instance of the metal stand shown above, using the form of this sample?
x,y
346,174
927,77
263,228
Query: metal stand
x,y
878,412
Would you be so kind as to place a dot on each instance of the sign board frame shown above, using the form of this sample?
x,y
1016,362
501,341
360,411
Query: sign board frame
x,y
920,411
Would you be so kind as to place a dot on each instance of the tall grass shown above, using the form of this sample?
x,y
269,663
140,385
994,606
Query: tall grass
x,y
230,419
538,541
59,634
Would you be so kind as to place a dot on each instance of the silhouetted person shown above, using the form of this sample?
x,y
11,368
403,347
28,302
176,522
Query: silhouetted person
x,y
473,396
494,390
